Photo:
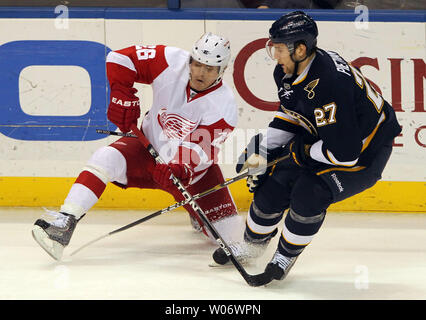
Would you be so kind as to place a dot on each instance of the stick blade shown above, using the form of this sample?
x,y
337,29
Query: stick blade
x,y
260,279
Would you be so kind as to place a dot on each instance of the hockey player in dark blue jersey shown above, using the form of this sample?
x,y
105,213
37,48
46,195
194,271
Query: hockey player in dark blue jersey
x,y
337,130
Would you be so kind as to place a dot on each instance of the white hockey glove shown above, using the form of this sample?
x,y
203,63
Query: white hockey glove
x,y
254,156
255,161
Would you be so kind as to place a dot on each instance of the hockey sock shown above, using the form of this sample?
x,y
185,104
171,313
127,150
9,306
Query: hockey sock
x,y
298,231
261,225
84,194
106,164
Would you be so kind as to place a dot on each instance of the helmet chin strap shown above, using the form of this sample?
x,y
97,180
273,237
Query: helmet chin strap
x,y
219,77
296,62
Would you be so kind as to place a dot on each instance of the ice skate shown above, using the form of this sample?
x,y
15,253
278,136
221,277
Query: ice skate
x,y
279,266
244,251
54,236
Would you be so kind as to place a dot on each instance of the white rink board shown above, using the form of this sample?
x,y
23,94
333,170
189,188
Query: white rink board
x,y
381,41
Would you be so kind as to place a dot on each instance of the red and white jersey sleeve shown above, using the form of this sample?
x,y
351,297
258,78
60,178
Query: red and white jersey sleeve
x,y
135,64
181,126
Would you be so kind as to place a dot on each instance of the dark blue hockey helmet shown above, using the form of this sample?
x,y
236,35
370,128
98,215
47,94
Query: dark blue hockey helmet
x,y
294,28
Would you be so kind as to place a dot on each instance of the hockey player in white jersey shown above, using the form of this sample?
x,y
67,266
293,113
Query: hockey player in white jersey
x,y
192,113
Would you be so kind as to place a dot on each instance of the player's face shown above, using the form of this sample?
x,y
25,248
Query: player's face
x,y
282,55
202,76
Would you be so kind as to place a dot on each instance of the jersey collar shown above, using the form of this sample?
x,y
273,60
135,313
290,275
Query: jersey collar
x,y
303,75
201,93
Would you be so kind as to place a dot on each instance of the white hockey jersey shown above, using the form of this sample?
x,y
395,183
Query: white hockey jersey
x,y
182,125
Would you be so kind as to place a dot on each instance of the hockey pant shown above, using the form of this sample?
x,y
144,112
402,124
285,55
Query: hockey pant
x,y
306,195
128,164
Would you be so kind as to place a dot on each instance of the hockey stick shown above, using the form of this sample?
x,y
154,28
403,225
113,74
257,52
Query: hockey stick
x,y
252,280
113,133
184,202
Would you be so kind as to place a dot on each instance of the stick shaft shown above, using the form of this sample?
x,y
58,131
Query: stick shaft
x,y
181,203
195,197
251,280
114,133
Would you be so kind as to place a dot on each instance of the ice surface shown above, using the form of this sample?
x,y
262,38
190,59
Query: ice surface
x,y
354,256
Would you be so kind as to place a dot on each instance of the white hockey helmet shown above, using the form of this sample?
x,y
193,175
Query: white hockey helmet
x,y
212,50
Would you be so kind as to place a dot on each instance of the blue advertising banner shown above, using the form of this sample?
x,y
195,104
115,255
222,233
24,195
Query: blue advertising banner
x,y
89,55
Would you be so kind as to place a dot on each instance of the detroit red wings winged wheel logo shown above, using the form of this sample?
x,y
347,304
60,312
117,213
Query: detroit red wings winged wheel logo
x,y
175,126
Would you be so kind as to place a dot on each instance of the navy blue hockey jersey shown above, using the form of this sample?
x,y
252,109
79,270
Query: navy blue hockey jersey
x,y
331,101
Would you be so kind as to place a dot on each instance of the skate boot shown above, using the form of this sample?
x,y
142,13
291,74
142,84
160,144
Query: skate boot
x,y
279,266
54,236
244,251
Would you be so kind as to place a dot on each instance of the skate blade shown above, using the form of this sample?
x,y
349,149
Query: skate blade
x,y
53,248
217,265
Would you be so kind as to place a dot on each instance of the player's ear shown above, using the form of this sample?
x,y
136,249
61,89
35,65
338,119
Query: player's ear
x,y
301,50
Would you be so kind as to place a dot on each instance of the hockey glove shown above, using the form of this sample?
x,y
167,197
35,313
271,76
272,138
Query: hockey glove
x,y
253,156
124,109
256,156
162,174
299,151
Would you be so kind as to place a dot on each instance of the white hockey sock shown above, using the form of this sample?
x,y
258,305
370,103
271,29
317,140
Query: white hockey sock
x,y
106,164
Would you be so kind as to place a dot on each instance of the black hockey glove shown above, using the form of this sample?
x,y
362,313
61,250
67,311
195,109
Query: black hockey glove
x,y
299,151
